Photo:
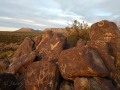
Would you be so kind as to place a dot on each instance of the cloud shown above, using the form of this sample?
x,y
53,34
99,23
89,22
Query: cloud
x,y
40,14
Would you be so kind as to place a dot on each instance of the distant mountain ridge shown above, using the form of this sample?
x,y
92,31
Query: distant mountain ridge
x,y
27,30
56,30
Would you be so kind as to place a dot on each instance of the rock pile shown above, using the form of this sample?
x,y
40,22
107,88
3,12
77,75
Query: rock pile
x,y
45,64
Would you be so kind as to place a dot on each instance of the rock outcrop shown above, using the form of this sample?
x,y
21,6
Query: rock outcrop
x,y
107,32
45,63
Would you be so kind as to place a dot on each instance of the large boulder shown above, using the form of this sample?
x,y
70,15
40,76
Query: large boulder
x,y
42,75
7,82
108,32
95,83
51,46
81,61
25,48
66,85
102,48
21,63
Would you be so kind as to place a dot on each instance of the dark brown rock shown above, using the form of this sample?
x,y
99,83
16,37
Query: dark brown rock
x,y
7,82
21,63
104,31
108,32
42,75
51,46
66,85
95,83
102,48
25,48
81,61
4,63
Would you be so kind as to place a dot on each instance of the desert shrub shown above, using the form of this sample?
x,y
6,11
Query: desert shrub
x,y
77,31
8,54
16,37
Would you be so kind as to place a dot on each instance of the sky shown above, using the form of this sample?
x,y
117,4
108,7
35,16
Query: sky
x,y
41,14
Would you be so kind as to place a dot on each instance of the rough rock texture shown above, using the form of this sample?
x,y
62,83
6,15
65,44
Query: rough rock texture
x,y
51,46
25,48
7,82
21,63
108,32
37,40
42,75
81,61
4,63
66,85
95,83
102,48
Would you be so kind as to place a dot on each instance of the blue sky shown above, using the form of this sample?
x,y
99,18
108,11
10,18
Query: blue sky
x,y
41,14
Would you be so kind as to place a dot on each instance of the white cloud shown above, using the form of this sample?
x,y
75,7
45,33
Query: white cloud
x,y
55,13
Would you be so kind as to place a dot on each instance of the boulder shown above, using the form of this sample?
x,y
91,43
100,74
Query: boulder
x,y
95,83
45,38
37,40
51,46
104,31
102,48
7,82
25,48
21,63
81,61
42,75
108,32
66,85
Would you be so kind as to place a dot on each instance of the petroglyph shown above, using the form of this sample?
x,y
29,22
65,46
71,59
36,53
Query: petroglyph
x,y
53,46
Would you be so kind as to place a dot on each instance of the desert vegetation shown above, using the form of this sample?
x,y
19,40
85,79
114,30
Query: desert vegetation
x,y
9,42
77,30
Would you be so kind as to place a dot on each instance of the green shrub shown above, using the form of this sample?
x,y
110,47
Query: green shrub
x,y
77,31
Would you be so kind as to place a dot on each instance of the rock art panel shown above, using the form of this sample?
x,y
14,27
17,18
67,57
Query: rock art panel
x,y
42,75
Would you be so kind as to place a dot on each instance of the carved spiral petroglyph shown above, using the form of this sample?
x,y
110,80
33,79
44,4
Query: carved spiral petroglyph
x,y
101,23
